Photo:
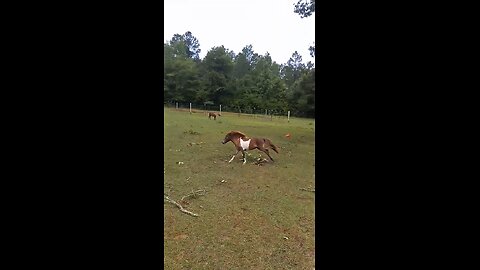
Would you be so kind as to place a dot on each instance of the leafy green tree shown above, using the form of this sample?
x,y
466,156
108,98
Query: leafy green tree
x,y
264,86
217,67
193,45
181,75
245,81
186,45
218,60
250,55
177,47
182,80
296,61
241,66
292,71
305,8
301,98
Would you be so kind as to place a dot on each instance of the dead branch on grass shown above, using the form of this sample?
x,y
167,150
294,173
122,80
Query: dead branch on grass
x,y
194,194
311,190
179,206
260,161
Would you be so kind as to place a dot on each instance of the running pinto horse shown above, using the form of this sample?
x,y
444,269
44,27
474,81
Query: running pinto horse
x,y
243,143
214,115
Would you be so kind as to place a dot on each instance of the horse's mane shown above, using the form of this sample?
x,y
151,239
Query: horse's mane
x,y
233,133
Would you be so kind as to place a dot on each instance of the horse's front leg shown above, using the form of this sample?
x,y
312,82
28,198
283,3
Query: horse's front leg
x,y
244,157
233,156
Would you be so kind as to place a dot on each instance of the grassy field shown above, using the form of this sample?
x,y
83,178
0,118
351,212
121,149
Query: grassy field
x,y
251,216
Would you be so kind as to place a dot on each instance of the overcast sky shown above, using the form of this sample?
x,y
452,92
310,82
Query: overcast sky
x,y
269,25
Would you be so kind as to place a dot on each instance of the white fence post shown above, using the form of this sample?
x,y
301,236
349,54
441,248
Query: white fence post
x,y
190,107
220,108
288,117
176,106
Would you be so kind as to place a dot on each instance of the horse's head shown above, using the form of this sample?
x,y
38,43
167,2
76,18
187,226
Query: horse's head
x,y
227,138
232,135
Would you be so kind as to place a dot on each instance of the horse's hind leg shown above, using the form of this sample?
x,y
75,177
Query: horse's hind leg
x,y
266,152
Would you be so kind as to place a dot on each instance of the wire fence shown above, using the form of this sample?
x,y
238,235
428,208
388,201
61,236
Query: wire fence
x,y
221,108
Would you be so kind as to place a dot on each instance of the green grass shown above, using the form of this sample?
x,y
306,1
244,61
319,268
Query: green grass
x,y
242,221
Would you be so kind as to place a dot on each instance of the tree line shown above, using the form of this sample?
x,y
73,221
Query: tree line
x,y
237,80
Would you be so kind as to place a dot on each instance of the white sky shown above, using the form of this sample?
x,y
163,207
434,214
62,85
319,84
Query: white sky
x,y
269,25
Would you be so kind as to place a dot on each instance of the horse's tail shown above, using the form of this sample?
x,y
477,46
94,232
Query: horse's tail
x,y
274,148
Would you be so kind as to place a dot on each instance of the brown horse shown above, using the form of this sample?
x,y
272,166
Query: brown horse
x,y
243,143
214,115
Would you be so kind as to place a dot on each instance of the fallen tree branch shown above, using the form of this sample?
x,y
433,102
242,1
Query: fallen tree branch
x,y
260,161
179,206
194,194
311,190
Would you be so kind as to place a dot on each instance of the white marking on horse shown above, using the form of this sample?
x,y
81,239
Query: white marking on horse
x,y
244,144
